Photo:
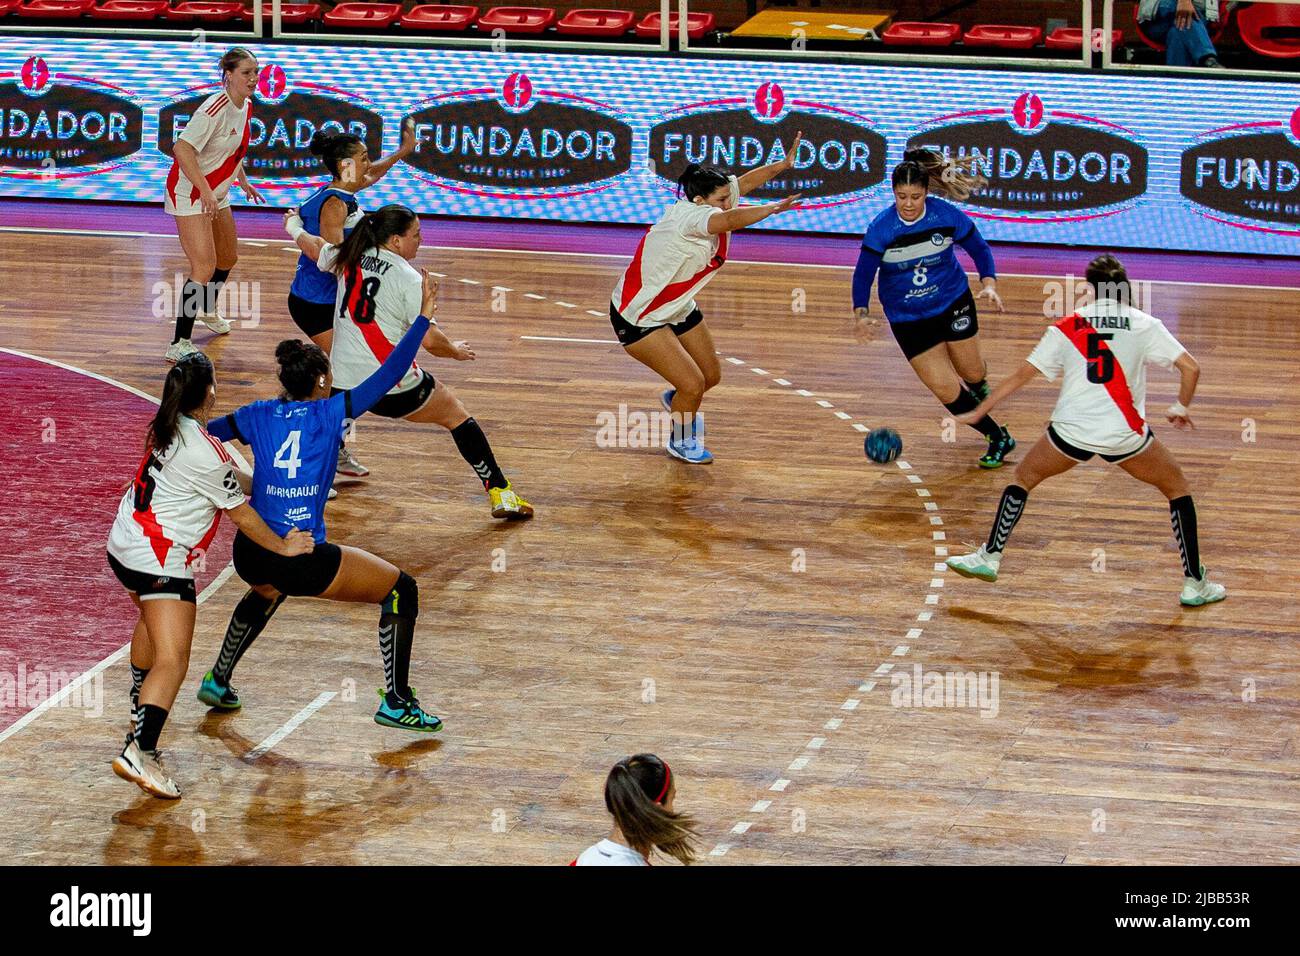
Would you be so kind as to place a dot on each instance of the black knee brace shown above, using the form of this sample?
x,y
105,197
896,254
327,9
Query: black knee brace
x,y
404,599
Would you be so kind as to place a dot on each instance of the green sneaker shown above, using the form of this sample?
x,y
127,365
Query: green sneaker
x,y
979,564
216,694
1201,591
405,714
999,448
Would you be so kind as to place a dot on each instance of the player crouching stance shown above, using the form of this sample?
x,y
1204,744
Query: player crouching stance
x,y
1101,353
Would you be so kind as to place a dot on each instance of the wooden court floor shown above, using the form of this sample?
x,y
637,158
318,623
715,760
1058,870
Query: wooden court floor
x,y
744,620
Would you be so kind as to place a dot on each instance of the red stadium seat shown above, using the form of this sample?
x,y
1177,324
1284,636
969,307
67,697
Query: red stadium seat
x,y
1216,30
54,9
7,6
596,23
916,33
1271,29
136,10
1071,38
697,24
206,11
1003,37
293,14
363,16
517,19
440,18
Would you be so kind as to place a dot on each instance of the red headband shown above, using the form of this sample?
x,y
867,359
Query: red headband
x,y
668,779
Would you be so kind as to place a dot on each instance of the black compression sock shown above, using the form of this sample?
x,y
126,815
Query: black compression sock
x,y
397,614
251,615
190,305
138,674
213,291
474,448
1010,508
152,719
965,402
1182,515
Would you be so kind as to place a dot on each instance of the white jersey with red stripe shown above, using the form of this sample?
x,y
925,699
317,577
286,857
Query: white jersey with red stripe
x,y
609,853
169,515
1101,353
377,302
676,258
219,132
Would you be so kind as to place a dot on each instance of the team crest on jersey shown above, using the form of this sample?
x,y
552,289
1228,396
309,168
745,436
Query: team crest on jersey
x,y
937,239
961,323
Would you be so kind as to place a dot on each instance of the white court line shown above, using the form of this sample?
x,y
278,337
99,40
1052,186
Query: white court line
x,y
290,725
112,658
619,255
557,338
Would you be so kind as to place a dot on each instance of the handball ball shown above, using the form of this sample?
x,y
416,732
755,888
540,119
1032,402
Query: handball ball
x,y
882,445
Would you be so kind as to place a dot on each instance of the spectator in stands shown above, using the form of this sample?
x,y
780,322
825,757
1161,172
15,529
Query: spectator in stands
x,y
1180,26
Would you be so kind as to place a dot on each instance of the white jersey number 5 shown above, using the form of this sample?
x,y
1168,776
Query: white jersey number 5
x,y
290,447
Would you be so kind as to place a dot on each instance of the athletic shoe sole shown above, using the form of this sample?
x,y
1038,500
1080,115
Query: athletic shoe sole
x,y
1202,601
127,772
388,722
967,573
216,703
689,461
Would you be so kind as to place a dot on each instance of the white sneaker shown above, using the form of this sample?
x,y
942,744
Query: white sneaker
x,y
178,350
145,770
978,564
348,466
216,322
1195,593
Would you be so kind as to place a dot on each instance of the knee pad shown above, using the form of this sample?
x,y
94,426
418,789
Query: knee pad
x,y
404,599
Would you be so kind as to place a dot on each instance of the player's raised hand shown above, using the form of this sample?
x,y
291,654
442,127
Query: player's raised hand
x,y
788,162
408,138
789,202
429,302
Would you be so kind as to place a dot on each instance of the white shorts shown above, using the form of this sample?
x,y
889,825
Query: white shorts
x,y
184,206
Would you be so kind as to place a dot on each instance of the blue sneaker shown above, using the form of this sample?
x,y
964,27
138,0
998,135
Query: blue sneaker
x,y
406,714
690,450
216,694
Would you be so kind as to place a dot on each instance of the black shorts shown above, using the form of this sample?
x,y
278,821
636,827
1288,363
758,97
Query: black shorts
x,y
953,324
312,317
304,575
404,403
628,333
153,586
1082,454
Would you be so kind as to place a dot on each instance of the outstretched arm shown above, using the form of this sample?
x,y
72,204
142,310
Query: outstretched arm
x,y
1005,389
364,396
378,169
739,218
764,174
312,246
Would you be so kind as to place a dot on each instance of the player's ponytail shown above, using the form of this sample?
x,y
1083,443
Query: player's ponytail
x,y
1109,279
184,392
371,232
635,792
302,365
934,172
700,181
334,149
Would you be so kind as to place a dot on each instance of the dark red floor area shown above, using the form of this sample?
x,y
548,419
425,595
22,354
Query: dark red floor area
x,y
753,245
72,444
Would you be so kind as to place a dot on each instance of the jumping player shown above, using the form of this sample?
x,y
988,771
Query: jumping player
x,y
639,794
924,291
653,308
330,213
168,518
1101,354
295,443
378,299
207,158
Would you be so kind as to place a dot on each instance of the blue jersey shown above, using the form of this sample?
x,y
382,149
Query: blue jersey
x,y
296,448
310,283
920,276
